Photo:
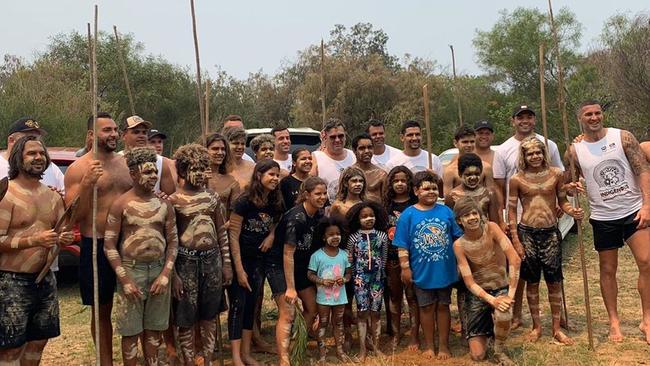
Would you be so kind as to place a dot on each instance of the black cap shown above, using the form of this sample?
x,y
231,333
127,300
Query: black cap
x,y
483,124
154,133
26,124
522,108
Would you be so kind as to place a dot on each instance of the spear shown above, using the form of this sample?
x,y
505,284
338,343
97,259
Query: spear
x,y
198,70
453,67
322,81
120,57
562,102
425,101
93,71
207,110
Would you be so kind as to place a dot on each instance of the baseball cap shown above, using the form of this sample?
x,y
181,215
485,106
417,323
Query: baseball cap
x,y
154,133
135,121
26,124
522,108
483,124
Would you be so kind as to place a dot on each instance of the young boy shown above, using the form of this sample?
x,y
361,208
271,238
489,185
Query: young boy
x,y
424,237
481,254
146,228
465,142
537,240
203,264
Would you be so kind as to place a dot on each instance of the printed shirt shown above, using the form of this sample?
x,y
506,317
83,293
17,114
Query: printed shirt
x,y
290,187
429,236
297,228
330,268
368,249
256,226
395,209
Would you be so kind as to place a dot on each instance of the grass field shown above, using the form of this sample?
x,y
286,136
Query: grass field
x,y
74,346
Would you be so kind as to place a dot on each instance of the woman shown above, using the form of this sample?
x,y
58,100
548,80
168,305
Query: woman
x,y
290,185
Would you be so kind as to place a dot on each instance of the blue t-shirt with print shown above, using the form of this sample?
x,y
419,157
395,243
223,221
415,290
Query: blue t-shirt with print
x,y
429,236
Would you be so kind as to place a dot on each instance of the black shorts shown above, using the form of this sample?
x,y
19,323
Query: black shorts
x,y
202,288
427,297
613,234
105,274
274,273
543,249
29,311
477,314
300,279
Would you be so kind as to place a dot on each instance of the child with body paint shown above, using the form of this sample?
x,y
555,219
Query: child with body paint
x,y
143,227
398,196
329,269
367,249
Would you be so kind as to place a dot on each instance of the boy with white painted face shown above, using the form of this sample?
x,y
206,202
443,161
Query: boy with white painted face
x,y
203,265
143,227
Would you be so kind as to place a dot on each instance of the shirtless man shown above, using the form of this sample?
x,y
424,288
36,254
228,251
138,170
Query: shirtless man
x,y
645,147
235,121
28,214
242,169
536,238
111,175
481,254
484,138
203,265
375,176
329,162
148,243
465,142
618,187
221,181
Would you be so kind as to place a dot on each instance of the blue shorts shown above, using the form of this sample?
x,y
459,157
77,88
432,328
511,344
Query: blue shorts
x,y
105,273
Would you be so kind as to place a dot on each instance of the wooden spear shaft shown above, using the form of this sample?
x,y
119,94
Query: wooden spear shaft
x,y
427,124
94,213
120,57
453,67
206,128
198,69
322,81
562,102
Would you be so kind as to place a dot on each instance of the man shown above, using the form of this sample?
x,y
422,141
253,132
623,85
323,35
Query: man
x,y
281,154
413,157
242,169
334,158
111,176
618,187
29,211
465,142
52,177
505,166
375,176
144,228
156,140
134,134
235,121
381,153
645,147
484,138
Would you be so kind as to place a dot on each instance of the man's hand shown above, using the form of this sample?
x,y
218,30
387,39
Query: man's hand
x,y
66,238
290,296
502,303
160,285
643,216
92,175
574,187
177,287
577,213
47,238
406,276
131,290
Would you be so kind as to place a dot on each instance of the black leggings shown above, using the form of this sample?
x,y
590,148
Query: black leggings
x,y
241,314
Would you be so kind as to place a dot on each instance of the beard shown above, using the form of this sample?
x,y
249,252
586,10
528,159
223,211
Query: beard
x,y
33,172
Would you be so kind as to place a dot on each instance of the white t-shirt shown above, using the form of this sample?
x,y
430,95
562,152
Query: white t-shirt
x,y
248,158
330,170
381,160
416,163
285,164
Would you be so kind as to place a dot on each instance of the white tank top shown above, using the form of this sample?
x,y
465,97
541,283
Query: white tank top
x,y
330,169
611,184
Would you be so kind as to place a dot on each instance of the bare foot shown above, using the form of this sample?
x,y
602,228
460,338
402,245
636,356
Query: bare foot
x,y
362,356
414,345
443,354
263,347
344,357
563,338
250,361
643,328
428,354
534,335
516,323
347,343
502,359
615,334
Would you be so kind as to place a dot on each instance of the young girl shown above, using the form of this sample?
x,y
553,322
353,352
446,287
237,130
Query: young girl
x,y
329,269
251,232
352,190
367,249
290,185
398,196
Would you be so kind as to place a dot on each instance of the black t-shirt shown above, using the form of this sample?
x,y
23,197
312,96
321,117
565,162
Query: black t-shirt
x,y
394,210
256,225
290,187
297,228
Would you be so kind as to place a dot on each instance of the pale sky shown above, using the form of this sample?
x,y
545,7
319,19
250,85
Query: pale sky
x,y
245,36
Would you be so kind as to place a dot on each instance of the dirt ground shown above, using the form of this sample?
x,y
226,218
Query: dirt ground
x,y
75,347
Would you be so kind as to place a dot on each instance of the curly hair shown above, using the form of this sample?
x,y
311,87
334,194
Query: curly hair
x,y
191,155
260,140
389,193
468,160
254,191
352,217
308,186
526,144
139,155
16,161
318,240
348,174
225,166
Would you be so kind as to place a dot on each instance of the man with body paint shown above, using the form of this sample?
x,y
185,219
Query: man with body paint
x,y
536,238
143,227
28,214
203,265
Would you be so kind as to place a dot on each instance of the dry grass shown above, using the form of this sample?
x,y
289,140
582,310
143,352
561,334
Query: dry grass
x,y
74,346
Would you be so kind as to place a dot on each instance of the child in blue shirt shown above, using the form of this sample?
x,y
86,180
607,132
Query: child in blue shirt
x,y
424,237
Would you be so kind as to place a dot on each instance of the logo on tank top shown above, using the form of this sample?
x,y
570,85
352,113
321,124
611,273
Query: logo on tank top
x,y
610,177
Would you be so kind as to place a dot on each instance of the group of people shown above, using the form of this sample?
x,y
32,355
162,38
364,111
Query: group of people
x,y
187,238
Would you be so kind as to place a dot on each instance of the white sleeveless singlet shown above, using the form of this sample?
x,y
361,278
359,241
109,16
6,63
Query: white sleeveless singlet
x,y
330,170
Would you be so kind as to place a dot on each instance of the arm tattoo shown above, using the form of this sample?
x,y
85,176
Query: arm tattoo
x,y
634,154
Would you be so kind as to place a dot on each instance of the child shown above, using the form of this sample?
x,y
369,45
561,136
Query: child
x,y
329,269
290,185
424,237
399,195
481,253
352,190
367,249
